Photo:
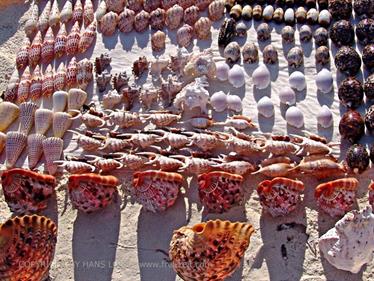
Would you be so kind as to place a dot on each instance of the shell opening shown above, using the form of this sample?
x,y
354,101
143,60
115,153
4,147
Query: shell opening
x,y
199,228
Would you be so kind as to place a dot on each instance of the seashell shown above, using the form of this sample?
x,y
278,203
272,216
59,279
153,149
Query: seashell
x,y
357,158
102,62
9,112
227,32
60,99
232,52
222,71
43,21
216,10
289,16
84,73
141,21
324,117
108,23
297,81
368,56
87,38
352,126
22,57
59,78
257,12
101,10
219,101
267,13
250,53
311,3
158,41
270,54
236,12
140,65
202,28
157,19
15,144
241,29
27,240
301,15
369,119
48,82
174,17
324,18
288,34
363,8
369,87
185,4
321,36
185,35
43,120
295,57
78,11
26,116
148,96
348,246
151,5
11,90
294,117
156,191
322,55
61,123
2,141
287,96
347,60
312,16
36,84
72,41
60,42
88,12
247,12
158,66
135,5
263,32
265,107
280,196
66,12
342,33
324,81
201,64
76,167
278,15
76,99
116,6
336,197
198,240
102,80
340,9
24,86
306,33
34,149
35,50
52,149
202,4
234,103
71,73
191,15
54,16
167,4
236,76
31,25
111,99
47,50
261,77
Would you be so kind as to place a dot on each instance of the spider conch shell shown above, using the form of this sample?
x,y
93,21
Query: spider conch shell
x,y
210,250
8,113
27,240
201,64
52,149
350,244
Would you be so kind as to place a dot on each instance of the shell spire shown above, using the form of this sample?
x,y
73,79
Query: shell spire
x,y
60,42
35,50
31,25
34,149
24,86
44,17
87,38
88,12
22,57
47,85
52,149
71,73
73,39
59,79
15,144
36,84
10,93
67,12
54,16
47,51
78,11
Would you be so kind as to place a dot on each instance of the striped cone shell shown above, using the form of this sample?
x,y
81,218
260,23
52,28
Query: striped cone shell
x,y
88,13
151,5
60,42
126,20
24,86
73,38
78,11
185,35
35,50
47,84
108,23
15,144
22,57
141,21
44,17
186,3
60,99
167,4
9,112
43,120
52,149
71,73
31,25
101,11
87,38
2,141
76,99
54,16
59,79
26,116
84,74
36,84
174,17
61,123
115,5
34,149
67,12
48,46
10,93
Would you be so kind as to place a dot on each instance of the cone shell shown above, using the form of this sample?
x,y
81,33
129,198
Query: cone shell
x,y
44,17
2,141
47,51
43,120
59,78
9,112
78,11
48,82
71,73
87,37
108,23
67,12
52,149
73,39
88,12
76,99
22,57
36,84
54,17
27,240
31,25
24,86
15,144
26,116
34,149
60,42
60,99
35,50
201,240
61,123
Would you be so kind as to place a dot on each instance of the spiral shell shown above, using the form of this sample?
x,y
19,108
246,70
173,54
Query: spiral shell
x,y
202,28
67,12
191,15
52,149
84,73
36,84
9,112
35,50
48,82
72,41
71,73
47,50
34,149
11,90
141,21
15,144
157,19
78,11
59,78
60,42
250,53
31,25
54,16
43,120
87,38
22,57
24,86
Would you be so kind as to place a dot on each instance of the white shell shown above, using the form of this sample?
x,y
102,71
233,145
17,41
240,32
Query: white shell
x,y
324,117
324,17
265,107
295,117
268,12
297,81
60,100
234,103
287,96
289,15
222,71
324,81
261,77
350,244
219,101
236,76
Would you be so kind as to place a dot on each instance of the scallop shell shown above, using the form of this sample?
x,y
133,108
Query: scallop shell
x,y
9,112
61,123
325,117
15,144
216,10
23,91
71,73
44,17
236,76
36,84
324,81
219,101
60,99
191,15
261,77
35,50
76,99
87,38
270,54
234,103
263,32
135,5
54,16
294,117
203,28
232,52
67,12
59,78
78,11
31,25
288,34
250,53
297,81
72,41
200,240
321,36
22,57
174,17
322,55
157,19
265,107
108,23
185,35
295,57
84,73
52,149
34,149
43,120
222,71
141,21
26,116
60,42
287,96
158,41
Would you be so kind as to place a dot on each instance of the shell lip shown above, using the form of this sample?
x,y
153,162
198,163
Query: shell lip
x,y
328,188
41,177
75,179
214,174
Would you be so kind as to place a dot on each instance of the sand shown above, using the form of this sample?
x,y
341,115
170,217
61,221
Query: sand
x,y
126,243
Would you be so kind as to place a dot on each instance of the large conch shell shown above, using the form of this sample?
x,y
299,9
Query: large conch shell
x,y
209,251
8,113
27,240
350,244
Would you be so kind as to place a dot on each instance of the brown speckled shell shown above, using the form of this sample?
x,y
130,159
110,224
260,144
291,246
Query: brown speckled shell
x,y
352,126
364,7
270,54
263,32
202,28
216,10
357,157
322,55
174,17
226,32
126,20
288,34
340,9
135,5
369,87
232,52
351,92
157,19
347,60
158,41
108,23
321,36
295,57
191,15
365,31
151,5
342,33
185,35
368,56
141,21
250,53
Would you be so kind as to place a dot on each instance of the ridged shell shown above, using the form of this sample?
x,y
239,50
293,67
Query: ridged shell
x,y
71,73
48,82
9,112
43,120
44,17
88,12
60,42
115,5
157,19
59,78
47,50
73,39
135,5
61,123
78,11
87,38
216,10
35,50
26,116
24,86
203,28
67,12
158,41
126,20
22,57
108,23
191,15
60,99
31,25
52,149
185,35
84,73
76,99
15,144
36,84
34,149
54,16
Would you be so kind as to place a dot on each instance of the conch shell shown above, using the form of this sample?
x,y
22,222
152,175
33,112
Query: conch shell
x,y
201,64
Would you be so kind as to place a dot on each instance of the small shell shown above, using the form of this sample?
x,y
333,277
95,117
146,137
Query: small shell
x,y
261,77
11,90
102,80
222,71
185,35
158,41
72,41
236,12
347,60
48,83
236,76
287,96
78,11
185,4
226,32
36,84
306,33
87,38
289,16
342,33
44,17
368,56
167,4
61,123
76,99
31,25
202,4
47,50
270,54
247,12
60,99
365,31
9,112
151,5
369,119
241,29
140,66
324,117
232,52
191,15
43,120
71,73
295,117
26,116
288,34
54,16
126,20
34,149
102,62
301,15
297,81
135,5
267,13
324,18
88,12
324,81
322,55
15,144
357,158
203,28
321,36
263,32
265,107
35,50
141,21
84,73
67,12
111,99
312,16
278,15
22,57
52,149
108,23
352,126
250,53
24,86
60,42
115,5
216,10
234,103
219,101
295,57
157,19
59,78
257,12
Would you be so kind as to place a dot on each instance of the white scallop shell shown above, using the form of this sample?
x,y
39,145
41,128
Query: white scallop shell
x,y
265,107
261,77
287,96
222,71
236,76
297,81
234,103
295,117
324,117
219,101
324,81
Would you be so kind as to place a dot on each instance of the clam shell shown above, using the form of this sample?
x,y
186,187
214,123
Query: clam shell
x,y
287,96
297,81
295,117
222,71
9,112
61,123
219,101
60,99
34,149
76,99
52,149
15,144
236,76
261,77
234,103
26,116
324,81
265,107
43,120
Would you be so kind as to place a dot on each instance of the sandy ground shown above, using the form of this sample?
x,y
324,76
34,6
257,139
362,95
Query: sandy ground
x,y
126,243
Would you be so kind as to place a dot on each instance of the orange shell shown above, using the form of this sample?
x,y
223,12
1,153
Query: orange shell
x,y
328,188
8,174
74,180
208,176
267,185
371,186
139,177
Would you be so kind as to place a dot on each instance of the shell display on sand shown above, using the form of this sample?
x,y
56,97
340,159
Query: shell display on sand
x,y
31,25
76,99
9,112
24,86
67,12
87,38
47,51
35,50
27,240
201,241
126,20
52,150
36,84
26,116
91,192
34,149
350,244
185,35
15,144
54,16
72,41
22,57
78,11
